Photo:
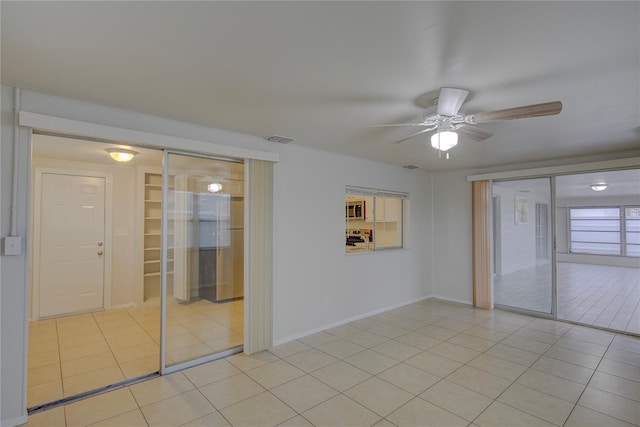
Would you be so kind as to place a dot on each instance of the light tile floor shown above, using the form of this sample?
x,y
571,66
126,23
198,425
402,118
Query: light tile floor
x,y
598,295
73,354
431,363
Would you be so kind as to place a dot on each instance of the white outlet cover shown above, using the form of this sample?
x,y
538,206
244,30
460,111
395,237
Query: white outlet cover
x,y
12,245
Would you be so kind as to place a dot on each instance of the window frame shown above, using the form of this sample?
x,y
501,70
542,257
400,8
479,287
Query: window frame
x,y
626,230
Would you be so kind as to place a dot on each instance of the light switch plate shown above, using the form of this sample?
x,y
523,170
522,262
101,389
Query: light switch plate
x,y
11,245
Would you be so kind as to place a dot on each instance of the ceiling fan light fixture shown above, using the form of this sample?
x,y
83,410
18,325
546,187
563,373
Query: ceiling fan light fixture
x,y
121,154
599,187
444,141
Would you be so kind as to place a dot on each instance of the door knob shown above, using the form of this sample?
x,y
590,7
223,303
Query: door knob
x,y
100,243
99,252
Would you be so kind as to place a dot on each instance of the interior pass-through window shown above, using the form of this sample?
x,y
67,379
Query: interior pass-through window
x,y
374,219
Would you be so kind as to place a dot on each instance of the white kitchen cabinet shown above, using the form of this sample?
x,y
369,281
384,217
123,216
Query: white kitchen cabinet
x,y
387,210
368,209
392,210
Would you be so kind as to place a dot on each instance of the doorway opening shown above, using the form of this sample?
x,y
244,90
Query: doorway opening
x,y
598,249
96,314
520,221
579,260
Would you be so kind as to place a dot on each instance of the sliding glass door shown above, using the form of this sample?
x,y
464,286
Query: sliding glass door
x,y
523,253
203,258
598,249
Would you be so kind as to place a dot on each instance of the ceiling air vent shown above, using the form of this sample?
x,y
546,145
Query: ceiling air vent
x,y
410,167
279,139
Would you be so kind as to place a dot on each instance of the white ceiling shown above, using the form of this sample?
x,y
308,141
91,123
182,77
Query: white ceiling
x,y
316,71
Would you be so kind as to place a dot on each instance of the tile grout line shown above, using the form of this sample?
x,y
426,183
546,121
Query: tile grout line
x,y
94,321
60,359
363,381
445,378
519,376
587,385
458,333
109,345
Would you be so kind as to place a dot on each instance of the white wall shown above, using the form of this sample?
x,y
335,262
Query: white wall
x,y
124,281
452,265
13,271
315,284
518,241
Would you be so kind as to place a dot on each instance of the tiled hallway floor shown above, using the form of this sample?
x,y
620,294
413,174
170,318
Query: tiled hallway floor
x,y
599,295
73,354
431,363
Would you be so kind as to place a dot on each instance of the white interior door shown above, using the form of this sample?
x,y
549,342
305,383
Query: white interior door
x,y
72,234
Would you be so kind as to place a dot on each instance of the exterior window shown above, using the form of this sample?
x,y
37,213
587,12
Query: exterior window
x,y
374,220
605,231
595,231
632,230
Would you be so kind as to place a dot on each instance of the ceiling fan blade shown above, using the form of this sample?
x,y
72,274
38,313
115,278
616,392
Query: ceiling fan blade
x,y
450,100
392,125
536,110
474,133
415,134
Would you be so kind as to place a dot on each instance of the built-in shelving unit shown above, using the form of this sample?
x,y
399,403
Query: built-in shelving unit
x,y
153,236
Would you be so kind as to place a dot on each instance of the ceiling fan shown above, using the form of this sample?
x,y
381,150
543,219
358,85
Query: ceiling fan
x,y
448,122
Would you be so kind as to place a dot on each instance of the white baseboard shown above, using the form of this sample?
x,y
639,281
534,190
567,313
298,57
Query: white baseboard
x,y
121,306
12,422
342,322
112,307
452,299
